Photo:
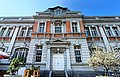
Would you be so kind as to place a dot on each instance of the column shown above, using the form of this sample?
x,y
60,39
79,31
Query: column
x,y
90,30
12,31
13,40
104,39
97,30
68,59
20,31
78,27
48,59
26,31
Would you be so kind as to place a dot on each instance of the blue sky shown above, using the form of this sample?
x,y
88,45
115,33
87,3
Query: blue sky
x,y
87,7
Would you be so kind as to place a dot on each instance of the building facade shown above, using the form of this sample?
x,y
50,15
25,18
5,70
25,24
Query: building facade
x,y
58,38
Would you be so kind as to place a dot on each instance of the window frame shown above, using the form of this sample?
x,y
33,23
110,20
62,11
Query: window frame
x,y
9,32
38,56
78,57
41,28
74,27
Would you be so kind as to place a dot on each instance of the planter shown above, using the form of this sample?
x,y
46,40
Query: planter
x,y
12,75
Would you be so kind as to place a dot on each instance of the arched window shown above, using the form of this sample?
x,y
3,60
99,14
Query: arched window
x,y
2,49
21,52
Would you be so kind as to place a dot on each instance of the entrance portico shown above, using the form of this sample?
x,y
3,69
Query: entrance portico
x,y
58,56
58,59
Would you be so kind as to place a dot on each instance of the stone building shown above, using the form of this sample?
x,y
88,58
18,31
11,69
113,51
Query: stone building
x,y
58,38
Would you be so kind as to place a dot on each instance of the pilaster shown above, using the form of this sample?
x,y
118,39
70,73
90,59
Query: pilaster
x,y
11,44
68,59
107,45
48,59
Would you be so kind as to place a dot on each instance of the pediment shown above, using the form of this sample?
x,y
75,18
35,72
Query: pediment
x,y
58,40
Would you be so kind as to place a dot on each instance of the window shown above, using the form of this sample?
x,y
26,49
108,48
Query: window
x,y
38,53
41,27
93,31
58,12
29,31
74,27
58,29
9,31
87,31
2,31
21,52
2,49
108,31
23,31
77,53
115,31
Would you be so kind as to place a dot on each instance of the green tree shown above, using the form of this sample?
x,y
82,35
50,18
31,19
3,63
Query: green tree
x,y
105,59
15,65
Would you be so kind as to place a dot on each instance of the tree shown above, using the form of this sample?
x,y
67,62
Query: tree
x,y
15,65
105,59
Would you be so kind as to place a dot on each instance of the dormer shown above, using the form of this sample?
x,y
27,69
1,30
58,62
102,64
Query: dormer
x,y
58,12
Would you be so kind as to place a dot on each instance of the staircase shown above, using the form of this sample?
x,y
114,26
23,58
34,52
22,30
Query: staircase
x,y
58,74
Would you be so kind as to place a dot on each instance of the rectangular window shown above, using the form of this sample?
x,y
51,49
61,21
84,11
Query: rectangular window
x,y
87,31
2,31
93,31
41,27
58,12
29,31
38,53
115,31
58,29
8,32
74,27
108,31
77,53
23,31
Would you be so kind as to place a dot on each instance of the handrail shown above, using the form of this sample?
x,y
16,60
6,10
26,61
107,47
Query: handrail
x,y
50,73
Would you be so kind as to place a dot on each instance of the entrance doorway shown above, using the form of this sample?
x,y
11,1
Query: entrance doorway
x,y
58,61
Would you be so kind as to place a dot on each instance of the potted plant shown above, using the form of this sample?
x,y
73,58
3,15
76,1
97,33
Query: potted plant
x,y
14,66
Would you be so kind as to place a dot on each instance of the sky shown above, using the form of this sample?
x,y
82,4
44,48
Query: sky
x,y
87,7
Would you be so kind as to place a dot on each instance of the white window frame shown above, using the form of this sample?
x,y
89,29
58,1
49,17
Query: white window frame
x,y
29,31
78,30
3,31
39,48
108,31
44,27
58,30
9,32
78,55
23,31
93,31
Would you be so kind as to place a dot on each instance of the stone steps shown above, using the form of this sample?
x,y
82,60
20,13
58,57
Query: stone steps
x,y
58,74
